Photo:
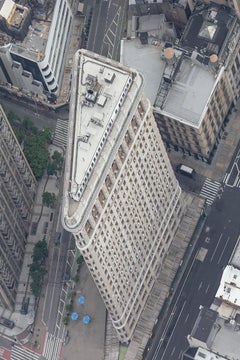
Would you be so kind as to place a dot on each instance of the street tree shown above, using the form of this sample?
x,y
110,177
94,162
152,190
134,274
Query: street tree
x,y
46,135
40,251
37,269
37,154
55,163
49,199
57,160
29,126
34,142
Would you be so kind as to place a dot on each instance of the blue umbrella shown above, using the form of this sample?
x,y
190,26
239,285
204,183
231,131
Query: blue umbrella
x,y
81,300
86,319
74,316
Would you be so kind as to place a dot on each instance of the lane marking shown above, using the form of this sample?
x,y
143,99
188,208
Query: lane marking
x,y
173,350
180,354
170,318
174,328
223,249
216,247
225,177
200,285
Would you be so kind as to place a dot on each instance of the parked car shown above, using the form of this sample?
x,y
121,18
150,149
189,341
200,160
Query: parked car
x,y
57,238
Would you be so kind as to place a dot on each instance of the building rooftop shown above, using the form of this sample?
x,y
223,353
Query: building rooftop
x,y
180,86
35,32
200,354
147,60
101,99
224,338
188,95
181,3
33,46
229,289
218,335
155,26
204,324
100,89
235,259
207,29
225,310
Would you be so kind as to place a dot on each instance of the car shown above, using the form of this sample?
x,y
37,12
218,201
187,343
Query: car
x,y
57,238
67,276
7,323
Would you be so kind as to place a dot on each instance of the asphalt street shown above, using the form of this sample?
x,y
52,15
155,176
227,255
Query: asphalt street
x,y
201,277
41,119
106,27
5,343
56,281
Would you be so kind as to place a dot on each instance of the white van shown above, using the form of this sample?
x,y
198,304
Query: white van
x,y
186,170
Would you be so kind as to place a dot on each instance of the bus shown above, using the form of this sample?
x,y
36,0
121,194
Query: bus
x,y
186,170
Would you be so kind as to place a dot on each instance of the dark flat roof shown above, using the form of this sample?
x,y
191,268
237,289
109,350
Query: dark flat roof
x,y
207,29
204,324
189,353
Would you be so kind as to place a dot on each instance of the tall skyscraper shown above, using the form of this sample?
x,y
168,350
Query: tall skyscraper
x,y
17,191
121,199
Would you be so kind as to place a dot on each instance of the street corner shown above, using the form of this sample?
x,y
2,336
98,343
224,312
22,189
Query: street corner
x,y
5,354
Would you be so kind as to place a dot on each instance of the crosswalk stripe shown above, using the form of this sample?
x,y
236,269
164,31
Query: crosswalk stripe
x,y
61,131
210,190
212,184
225,176
52,347
21,353
207,196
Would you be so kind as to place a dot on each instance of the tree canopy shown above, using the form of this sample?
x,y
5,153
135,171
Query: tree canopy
x,y
34,142
40,251
55,163
36,269
49,199
37,154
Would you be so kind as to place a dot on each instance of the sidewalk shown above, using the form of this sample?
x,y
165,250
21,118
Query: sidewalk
x,y
217,169
30,330
85,339
46,225
86,342
41,226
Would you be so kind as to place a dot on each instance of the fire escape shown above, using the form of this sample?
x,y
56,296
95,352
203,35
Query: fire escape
x,y
168,77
